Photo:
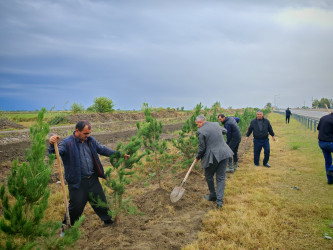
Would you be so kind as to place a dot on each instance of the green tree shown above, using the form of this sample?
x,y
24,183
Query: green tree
x,y
77,108
245,118
122,169
150,131
268,105
187,141
324,101
213,117
102,105
144,106
315,103
26,198
216,105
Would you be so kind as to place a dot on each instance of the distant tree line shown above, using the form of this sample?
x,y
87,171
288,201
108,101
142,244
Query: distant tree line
x,y
321,104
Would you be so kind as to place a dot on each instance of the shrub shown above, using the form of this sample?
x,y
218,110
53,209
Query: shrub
x,y
77,108
102,105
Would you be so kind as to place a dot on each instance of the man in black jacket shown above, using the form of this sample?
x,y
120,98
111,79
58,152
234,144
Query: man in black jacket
x,y
325,136
261,127
288,114
233,139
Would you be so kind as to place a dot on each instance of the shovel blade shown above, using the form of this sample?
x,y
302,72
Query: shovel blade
x,y
176,194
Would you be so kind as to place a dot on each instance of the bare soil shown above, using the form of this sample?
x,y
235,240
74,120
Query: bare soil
x,y
161,224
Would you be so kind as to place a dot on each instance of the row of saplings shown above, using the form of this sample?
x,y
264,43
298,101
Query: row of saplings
x,y
25,199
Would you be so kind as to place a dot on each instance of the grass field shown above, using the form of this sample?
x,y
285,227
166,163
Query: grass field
x,y
288,206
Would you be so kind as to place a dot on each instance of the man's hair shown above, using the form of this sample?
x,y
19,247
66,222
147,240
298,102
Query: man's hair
x,y
81,124
259,111
221,115
200,118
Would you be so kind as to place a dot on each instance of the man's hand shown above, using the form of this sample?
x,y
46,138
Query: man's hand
x,y
53,139
126,156
246,138
274,139
196,160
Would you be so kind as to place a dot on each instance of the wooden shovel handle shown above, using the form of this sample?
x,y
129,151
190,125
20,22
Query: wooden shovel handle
x,y
62,183
327,109
188,173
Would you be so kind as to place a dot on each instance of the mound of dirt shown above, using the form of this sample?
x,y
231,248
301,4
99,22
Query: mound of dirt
x,y
5,124
123,116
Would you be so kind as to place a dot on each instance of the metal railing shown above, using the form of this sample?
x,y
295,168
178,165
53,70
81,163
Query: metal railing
x,y
309,122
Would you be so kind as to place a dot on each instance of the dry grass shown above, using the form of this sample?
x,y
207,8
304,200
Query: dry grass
x,y
288,206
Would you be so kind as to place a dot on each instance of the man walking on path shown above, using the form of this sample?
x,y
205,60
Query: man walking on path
x,y
288,114
260,127
233,139
79,153
214,154
325,136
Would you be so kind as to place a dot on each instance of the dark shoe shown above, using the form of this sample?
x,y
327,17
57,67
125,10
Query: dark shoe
x,y
256,165
207,197
330,173
329,182
267,165
108,223
218,207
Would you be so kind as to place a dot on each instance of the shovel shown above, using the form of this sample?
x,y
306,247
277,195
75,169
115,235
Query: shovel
x,y
178,192
62,184
327,109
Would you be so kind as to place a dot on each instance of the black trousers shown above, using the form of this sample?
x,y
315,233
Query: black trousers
x,y
287,118
233,145
78,199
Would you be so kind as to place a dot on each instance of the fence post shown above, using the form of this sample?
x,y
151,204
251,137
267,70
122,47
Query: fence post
x,y
311,124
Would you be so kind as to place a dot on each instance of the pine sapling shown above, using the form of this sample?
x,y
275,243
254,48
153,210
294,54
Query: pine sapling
x,y
187,141
150,131
121,168
26,198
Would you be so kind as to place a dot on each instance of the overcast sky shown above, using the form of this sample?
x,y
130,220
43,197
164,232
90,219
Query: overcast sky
x,y
242,53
